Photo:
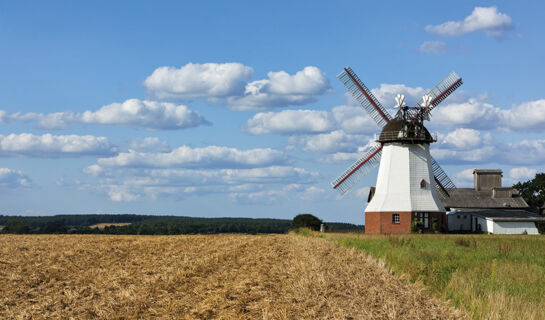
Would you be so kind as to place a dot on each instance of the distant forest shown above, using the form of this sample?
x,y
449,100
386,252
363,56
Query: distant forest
x,y
152,225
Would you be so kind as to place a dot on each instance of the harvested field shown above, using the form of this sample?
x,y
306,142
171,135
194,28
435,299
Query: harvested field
x,y
109,224
201,277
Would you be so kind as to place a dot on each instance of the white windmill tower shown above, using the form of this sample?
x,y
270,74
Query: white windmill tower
x,y
409,178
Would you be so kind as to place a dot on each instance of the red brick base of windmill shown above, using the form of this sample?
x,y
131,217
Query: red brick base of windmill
x,y
400,222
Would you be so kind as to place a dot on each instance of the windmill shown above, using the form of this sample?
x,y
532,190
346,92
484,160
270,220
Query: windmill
x,y
409,179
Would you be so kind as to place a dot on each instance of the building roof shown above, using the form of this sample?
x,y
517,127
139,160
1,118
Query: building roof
x,y
487,171
503,214
470,198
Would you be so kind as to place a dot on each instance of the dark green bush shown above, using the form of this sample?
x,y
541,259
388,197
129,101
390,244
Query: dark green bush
x,y
306,221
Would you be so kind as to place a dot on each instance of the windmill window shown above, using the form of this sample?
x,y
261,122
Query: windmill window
x,y
395,218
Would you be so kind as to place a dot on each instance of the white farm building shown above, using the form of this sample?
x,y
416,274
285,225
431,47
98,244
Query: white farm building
x,y
489,207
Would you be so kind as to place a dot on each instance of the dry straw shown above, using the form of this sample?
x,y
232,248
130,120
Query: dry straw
x,y
201,277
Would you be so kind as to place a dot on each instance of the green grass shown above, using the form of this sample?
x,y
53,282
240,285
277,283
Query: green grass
x,y
491,276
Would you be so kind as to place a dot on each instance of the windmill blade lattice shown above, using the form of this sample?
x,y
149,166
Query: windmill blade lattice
x,y
364,96
443,182
369,161
439,93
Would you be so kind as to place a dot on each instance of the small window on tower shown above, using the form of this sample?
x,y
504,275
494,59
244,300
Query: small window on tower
x,y
395,218
422,184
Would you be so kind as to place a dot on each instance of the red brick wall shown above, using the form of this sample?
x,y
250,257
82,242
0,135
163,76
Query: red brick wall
x,y
381,222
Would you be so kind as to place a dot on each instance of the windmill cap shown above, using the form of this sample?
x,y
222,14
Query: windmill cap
x,y
398,131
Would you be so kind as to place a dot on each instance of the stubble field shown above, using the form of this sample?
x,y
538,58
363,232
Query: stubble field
x,y
201,277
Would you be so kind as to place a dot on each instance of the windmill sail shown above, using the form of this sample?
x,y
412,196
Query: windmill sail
x,y
443,182
364,96
439,93
360,168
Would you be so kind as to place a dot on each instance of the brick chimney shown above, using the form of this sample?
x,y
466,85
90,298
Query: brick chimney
x,y
487,179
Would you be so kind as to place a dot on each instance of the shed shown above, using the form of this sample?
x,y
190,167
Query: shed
x,y
496,221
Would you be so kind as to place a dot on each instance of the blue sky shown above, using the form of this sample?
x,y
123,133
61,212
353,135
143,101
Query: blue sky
x,y
233,109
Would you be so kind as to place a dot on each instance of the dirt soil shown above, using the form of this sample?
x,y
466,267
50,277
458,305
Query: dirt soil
x,y
201,277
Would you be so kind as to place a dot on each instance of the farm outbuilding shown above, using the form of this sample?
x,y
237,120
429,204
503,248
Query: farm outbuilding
x,y
496,221
489,207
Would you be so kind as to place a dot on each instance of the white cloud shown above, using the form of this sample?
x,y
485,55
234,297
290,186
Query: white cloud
x,y
387,92
146,114
472,113
51,121
463,139
433,47
48,145
335,141
281,90
528,116
522,173
126,184
120,193
132,113
464,178
362,193
290,122
292,191
208,157
5,117
149,144
470,146
353,119
487,19
206,80
94,170
10,179
349,156
312,193
265,175
259,197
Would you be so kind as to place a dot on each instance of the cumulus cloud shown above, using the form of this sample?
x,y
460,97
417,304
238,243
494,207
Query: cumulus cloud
x,y
132,113
193,80
433,47
353,119
126,184
522,173
349,156
477,114
528,116
265,175
10,179
292,191
146,114
187,157
386,94
470,146
487,19
362,193
48,145
5,117
50,121
335,141
281,90
473,113
463,139
464,178
290,122
149,144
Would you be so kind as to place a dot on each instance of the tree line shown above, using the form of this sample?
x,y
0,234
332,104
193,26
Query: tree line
x,y
150,225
